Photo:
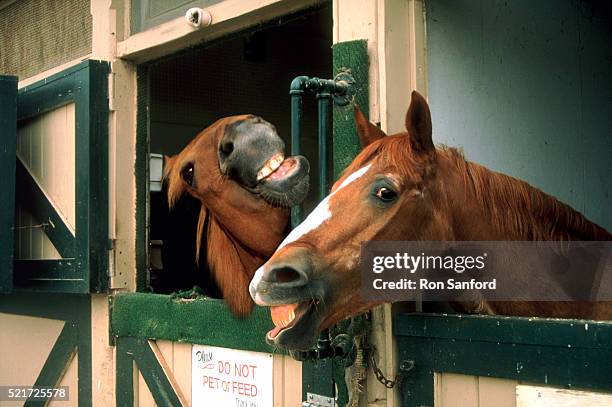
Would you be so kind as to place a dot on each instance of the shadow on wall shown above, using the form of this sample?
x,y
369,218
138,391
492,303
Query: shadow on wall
x,y
525,88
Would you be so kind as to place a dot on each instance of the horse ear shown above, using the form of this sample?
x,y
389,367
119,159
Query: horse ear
x,y
174,189
367,131
168,163
418,124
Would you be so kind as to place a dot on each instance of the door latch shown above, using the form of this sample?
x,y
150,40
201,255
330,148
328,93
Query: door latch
x,y
317,400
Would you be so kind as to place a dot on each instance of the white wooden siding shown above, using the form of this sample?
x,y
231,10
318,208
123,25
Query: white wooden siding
x,y
46,146
456,390
69,379
541,396
25,342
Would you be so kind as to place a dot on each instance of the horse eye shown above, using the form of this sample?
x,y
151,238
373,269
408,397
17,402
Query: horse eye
x,y
187,174
385,194
227,147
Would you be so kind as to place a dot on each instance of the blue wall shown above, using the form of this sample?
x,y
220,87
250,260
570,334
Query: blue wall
x,y
525,88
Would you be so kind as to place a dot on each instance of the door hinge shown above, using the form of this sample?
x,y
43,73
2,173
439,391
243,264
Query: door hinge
x,y
317,400
111,92
111,263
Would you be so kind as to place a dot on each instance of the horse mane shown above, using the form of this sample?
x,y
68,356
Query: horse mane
x,y
519,210
229,262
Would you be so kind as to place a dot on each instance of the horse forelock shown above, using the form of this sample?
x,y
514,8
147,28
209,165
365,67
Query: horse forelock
x,y
395,154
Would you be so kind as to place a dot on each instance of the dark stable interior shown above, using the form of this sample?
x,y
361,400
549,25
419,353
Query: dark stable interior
x,y
248,73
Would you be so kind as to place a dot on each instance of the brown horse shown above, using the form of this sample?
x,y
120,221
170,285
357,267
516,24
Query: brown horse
x,y
237,170
401,187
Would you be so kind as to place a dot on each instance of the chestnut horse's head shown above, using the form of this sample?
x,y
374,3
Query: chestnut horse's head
x,y
237,169
313,279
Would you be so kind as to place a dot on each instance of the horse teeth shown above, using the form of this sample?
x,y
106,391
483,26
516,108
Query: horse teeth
x,y
264,172
276,161
284,322
283,315
270,166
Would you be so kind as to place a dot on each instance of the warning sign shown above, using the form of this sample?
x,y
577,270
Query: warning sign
x,y
227,377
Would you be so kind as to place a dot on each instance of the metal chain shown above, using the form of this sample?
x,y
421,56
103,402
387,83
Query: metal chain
x,y
405,367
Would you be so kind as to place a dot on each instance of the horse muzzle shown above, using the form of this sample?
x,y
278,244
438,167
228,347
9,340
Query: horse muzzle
x,y
288,185
251,152
283,282
246,146
296,302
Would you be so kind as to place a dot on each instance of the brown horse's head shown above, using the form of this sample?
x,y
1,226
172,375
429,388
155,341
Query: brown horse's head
x,y
313,279
401,187
237,169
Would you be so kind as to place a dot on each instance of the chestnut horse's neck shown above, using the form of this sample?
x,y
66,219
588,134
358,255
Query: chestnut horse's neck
x,y
494,206
231,262
486,205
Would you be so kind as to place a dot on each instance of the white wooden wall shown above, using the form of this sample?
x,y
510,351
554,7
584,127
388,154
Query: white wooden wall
x,y
456,390
70,379
26,343
177,356
540,396
46,146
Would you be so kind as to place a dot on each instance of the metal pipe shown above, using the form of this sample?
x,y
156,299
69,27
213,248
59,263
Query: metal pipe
x,y
296,92
324,349
323,100
334,87
325,89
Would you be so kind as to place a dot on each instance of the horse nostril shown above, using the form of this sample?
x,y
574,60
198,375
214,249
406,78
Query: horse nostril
x,y
286,276
227,147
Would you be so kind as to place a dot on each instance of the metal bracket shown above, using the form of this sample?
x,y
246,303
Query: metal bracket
x,y
348,83
341,88
317,400
341,346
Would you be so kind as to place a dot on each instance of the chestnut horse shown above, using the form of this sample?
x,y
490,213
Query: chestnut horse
x,y
401,187
236,169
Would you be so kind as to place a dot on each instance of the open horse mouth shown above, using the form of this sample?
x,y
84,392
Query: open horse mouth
x,y
251,153
298,304
294,324
283,181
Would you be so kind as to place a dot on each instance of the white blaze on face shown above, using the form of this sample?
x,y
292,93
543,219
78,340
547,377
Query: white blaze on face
x,y
315,219
321,213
